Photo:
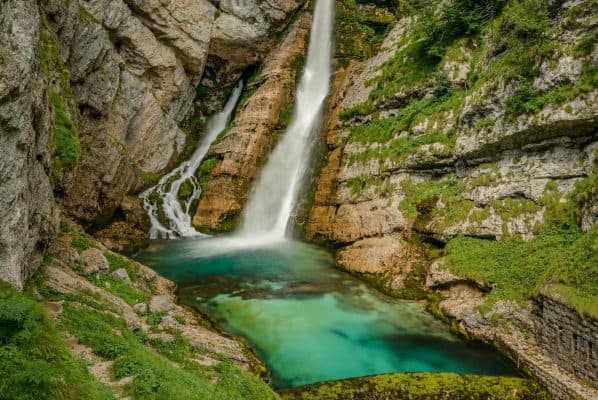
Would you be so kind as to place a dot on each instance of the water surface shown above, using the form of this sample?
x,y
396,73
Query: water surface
x,y
308,321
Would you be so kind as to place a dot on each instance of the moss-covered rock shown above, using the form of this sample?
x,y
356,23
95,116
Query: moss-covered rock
x,y
421,386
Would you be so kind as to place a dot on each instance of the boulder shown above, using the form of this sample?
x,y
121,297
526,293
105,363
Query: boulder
x,y
93,260
122,275
161,303
140,308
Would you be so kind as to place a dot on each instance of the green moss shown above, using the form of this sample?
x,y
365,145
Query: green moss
x,y
204,172
422,386
65,138
34,361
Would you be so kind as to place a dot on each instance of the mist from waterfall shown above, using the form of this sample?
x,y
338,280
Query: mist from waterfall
x,y
168,186
274,197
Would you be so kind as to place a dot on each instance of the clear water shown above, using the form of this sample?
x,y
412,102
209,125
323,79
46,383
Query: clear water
x,y
308,321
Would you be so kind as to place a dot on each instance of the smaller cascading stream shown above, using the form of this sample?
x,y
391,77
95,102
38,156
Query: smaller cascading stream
x,y
168,186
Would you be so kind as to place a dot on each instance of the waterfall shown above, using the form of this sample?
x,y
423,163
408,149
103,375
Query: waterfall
x,y
169,185
270,205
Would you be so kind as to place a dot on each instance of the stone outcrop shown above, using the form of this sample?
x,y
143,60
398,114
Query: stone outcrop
x,y
567,337
244,147
93,95
493,174
551,355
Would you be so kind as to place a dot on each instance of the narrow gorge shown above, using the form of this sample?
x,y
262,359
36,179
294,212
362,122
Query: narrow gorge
x,y
298,199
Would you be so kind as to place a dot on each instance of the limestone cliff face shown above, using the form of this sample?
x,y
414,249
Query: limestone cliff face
x,y
94,94
485,139
439,158
26,201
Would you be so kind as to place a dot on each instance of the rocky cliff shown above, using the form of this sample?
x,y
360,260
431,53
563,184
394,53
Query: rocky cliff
x,y
100,97
463,156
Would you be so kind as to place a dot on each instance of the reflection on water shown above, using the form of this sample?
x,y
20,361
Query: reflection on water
x,y
308,321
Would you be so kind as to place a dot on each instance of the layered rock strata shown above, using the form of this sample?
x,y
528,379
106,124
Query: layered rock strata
x,y
243,148
94,94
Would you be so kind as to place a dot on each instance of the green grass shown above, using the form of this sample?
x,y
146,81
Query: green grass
x,y
34,361
120,289
156,377
422,386
82,241
385,131
560,256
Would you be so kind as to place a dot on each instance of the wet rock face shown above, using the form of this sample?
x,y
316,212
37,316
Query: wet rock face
x,y
131,69
244,147
27,209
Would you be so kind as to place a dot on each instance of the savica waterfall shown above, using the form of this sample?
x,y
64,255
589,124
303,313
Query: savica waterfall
x,y
169,185
307,320
269,208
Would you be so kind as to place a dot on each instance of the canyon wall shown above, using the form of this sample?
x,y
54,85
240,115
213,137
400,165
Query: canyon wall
x,y
100,97
462,157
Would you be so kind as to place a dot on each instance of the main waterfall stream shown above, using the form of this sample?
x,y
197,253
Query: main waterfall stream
x,y
308,321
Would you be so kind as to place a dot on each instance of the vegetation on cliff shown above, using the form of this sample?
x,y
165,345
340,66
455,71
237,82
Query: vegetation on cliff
x,y
65,138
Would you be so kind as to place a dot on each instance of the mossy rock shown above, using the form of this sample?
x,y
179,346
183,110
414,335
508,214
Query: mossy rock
x,y
421,386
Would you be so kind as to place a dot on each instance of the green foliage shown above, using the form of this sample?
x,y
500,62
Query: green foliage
x,y
34,361
120,289
65,138
586,45
421,199
359,31
82,241
438,28
422,386
559,255
529,100
117,261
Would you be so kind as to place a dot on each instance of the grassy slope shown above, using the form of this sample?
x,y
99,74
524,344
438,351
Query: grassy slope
x,y
36,363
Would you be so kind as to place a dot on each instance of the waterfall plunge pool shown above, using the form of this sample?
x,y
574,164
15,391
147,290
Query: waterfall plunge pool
x,y
307,320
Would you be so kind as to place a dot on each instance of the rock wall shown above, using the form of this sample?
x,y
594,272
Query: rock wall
x,y
489,135
27,210
94,95
568,338
242,150
458,163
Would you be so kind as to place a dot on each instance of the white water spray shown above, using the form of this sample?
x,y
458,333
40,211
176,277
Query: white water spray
x,y
169,185
269,209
